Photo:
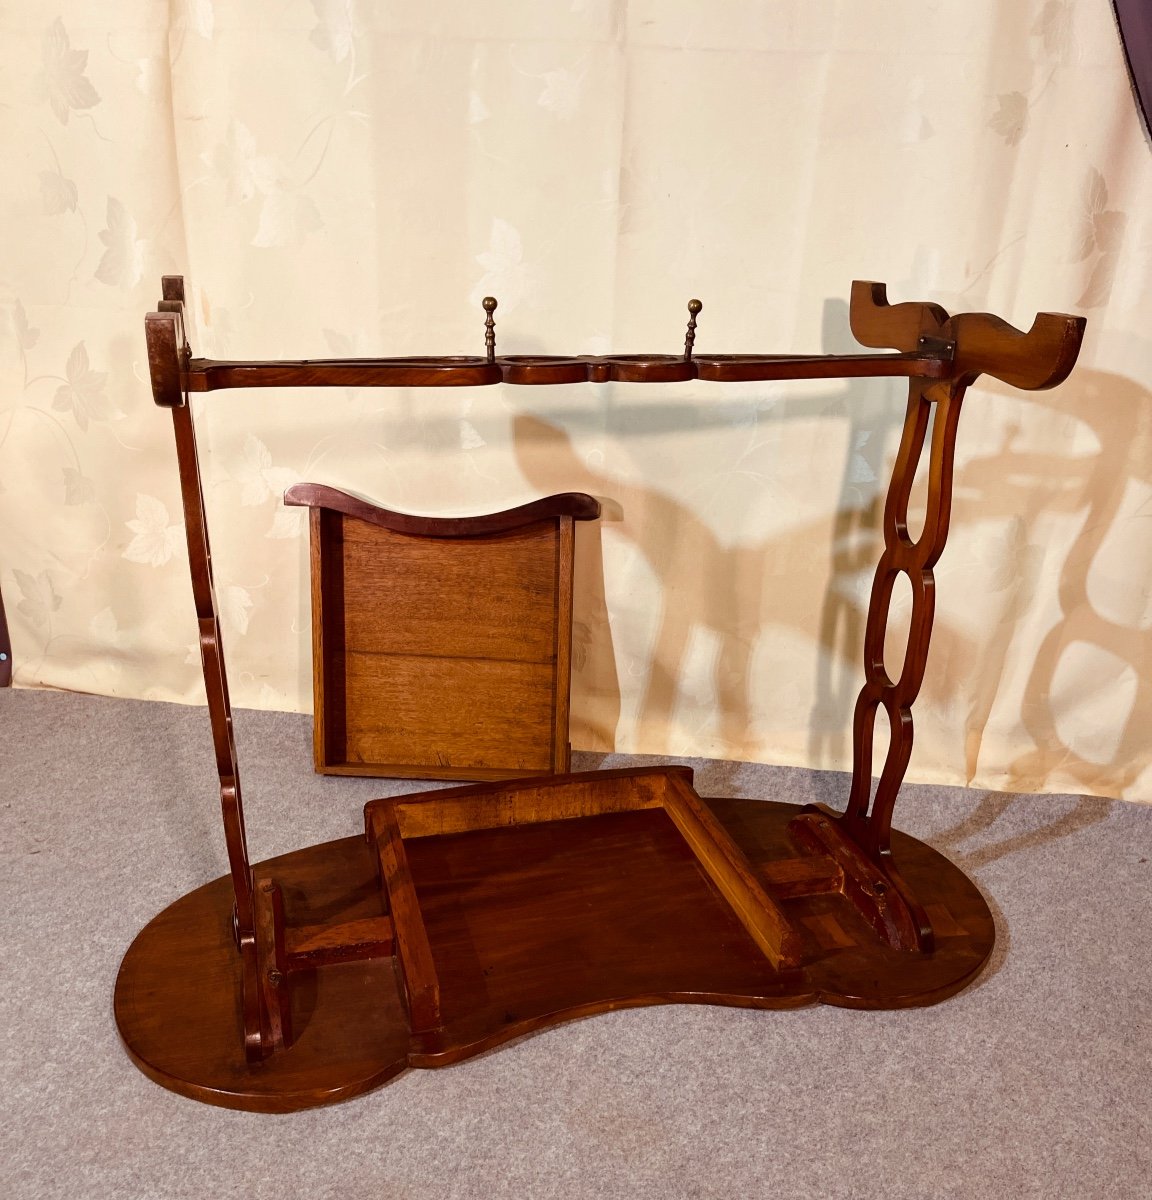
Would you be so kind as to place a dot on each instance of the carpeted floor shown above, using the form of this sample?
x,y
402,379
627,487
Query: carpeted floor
x,y
1033,1082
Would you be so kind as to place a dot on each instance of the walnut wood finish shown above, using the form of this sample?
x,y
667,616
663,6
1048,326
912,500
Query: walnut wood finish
x,y
526,924
168,353
577,797
469,916
209,375
981,344
441,645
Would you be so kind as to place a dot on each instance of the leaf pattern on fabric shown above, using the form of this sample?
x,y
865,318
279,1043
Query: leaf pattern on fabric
x,y
65,85
286,523
236,162
1102,234
201,17
259,480
286,218
83,394
1053,25
236,607
57,194
39,597
562,93
26,336
78,489
122,263
106,630
506,275
581,644
334,30
1010,120
477,109
156,538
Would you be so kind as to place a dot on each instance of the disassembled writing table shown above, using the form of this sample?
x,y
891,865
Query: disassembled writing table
x,y
463,917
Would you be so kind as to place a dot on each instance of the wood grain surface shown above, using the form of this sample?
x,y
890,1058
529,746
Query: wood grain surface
x,y
441,646
527,925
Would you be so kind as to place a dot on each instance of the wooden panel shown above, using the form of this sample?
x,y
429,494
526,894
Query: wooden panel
x,y
451,713
480,597
442,646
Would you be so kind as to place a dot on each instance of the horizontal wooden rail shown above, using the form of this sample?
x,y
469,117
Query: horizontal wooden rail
x,y
208,375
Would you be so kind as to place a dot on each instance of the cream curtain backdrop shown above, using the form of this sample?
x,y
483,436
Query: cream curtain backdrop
x,y
339,177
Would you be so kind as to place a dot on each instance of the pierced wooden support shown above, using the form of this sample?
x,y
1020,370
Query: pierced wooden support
x,y
978,344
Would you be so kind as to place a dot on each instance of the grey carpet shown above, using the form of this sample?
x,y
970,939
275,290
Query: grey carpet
x,y
1033,1082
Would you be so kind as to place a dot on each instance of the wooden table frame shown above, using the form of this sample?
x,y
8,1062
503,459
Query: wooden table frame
x,y
786,857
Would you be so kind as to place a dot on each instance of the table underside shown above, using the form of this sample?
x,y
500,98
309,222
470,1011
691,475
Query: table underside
x,y
529,926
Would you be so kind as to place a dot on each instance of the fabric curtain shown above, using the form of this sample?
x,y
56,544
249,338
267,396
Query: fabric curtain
x,y
1135,20
341,178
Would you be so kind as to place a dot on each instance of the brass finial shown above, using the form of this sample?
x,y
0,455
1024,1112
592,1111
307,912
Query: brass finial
x,y
490,327
694,307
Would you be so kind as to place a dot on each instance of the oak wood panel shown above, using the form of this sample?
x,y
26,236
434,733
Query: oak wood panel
x,y
529,922
272,967
308,946
176,995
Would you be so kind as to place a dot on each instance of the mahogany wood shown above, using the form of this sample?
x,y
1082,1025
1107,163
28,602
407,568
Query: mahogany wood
x,y
472,915
208,375
528,925
589,794
1040,358
310,946
417,971
441,645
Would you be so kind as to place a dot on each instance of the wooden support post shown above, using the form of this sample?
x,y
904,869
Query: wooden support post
x,y
976,343
168,356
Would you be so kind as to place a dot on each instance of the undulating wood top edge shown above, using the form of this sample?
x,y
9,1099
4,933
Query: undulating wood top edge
x,y
208,375
578,505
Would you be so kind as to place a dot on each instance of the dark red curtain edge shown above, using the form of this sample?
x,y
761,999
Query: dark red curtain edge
x,y
5,649
1134,21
